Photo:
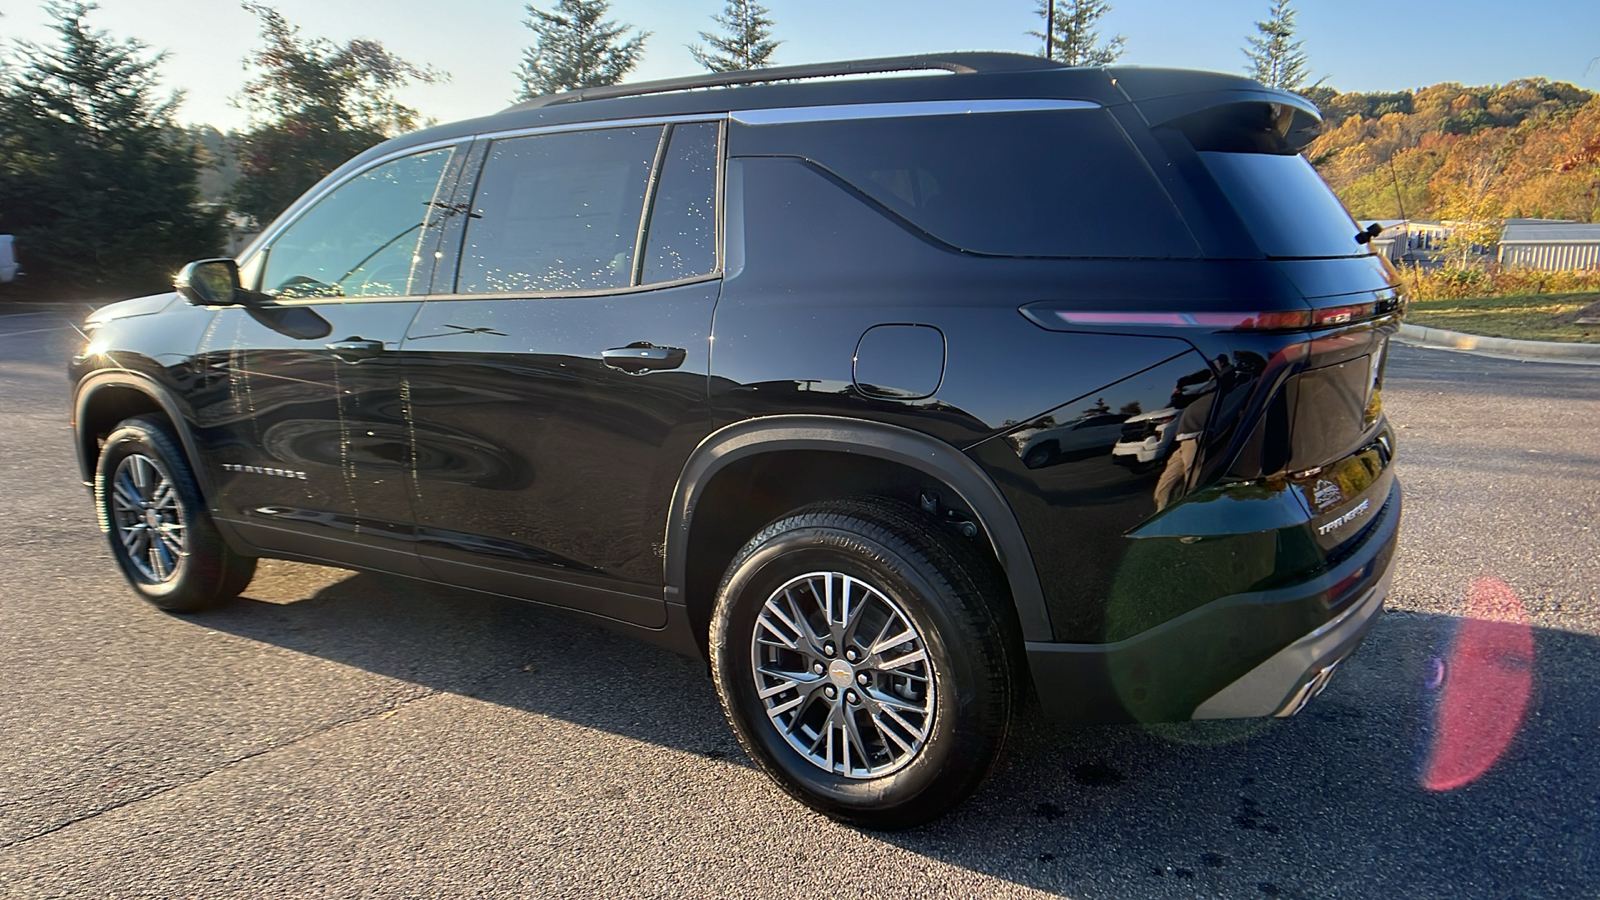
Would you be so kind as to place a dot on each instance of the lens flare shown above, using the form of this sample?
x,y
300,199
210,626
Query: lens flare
x,y
1486,681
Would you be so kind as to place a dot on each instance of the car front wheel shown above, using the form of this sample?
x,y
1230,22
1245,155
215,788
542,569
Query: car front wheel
x,y
161,534
861,664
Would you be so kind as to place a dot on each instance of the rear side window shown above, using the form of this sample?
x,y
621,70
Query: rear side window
x,y
558,212
1288,209
683,220
1059,183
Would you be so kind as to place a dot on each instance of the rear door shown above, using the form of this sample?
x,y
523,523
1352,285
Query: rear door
x,y
304,426
558,391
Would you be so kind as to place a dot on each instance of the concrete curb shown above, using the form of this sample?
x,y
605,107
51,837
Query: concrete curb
x,y
1501,348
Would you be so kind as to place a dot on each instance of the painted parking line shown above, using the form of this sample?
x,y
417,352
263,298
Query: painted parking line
x,y
6,334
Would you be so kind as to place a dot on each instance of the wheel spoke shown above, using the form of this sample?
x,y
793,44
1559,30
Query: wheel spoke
x,y
899,662
852,738
130,537
891,734
883,643
158,561
124,491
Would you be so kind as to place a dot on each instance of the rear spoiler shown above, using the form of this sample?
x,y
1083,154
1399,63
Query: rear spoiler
x,y
1221,112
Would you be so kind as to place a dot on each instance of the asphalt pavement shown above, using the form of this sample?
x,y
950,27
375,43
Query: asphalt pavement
x,y
341,734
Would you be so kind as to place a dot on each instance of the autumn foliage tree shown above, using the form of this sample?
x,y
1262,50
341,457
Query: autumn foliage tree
x,y
1464,153
315,104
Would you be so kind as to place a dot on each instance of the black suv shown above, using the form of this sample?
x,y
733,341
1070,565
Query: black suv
x,y
902,400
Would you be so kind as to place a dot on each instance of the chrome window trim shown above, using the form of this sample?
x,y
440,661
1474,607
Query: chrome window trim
x,y
901,110
597,124
586,292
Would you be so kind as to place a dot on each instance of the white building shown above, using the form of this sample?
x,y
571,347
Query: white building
x,y
1550,247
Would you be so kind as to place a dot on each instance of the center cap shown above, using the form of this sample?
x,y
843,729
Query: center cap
x,y
152,518
840,673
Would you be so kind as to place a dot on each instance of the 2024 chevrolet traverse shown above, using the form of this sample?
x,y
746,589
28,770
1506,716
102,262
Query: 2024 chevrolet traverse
x,y
823,380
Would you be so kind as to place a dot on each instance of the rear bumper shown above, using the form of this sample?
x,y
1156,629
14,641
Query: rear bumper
x,y
1242,656
1285,683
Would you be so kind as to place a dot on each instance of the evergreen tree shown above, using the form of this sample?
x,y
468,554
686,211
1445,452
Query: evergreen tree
x,y
1077,43
99,184
573,48
746,42
1275,56
316,104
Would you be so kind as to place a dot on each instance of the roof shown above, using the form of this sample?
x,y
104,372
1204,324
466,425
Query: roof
x,y
1551,234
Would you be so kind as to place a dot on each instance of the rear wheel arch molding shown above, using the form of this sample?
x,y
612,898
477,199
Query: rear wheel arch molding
x,y
934,458
127,379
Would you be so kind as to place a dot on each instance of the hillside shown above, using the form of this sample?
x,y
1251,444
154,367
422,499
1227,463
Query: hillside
x,y
1527,149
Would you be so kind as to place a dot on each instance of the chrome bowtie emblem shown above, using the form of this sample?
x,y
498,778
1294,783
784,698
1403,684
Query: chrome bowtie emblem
x,y
1328,494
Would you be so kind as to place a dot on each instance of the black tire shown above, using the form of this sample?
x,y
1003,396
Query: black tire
x,y
203,571
916,568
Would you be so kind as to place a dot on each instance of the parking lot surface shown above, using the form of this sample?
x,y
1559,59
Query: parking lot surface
x,y
343,734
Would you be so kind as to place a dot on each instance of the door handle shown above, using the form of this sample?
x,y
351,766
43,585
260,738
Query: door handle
x,y
353,349
640,357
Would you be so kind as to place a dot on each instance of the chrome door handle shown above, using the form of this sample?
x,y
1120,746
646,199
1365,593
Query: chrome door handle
x,y
640,357
353,349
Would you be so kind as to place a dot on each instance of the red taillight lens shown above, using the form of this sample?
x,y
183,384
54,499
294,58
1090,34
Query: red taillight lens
x,y
1281,320
1285,320
1342,315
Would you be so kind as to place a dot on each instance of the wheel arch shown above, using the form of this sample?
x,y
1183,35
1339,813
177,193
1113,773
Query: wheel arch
x,y
855,442
105,398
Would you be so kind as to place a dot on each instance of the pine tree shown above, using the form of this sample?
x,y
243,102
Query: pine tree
x,y
573,49
746,42
1275,56
1077,43
99,183
315,104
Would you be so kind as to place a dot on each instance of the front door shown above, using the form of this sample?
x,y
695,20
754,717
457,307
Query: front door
x,y
304,426
558,392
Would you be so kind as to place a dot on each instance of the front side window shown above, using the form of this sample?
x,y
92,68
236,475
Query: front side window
x,y
558,212
364,239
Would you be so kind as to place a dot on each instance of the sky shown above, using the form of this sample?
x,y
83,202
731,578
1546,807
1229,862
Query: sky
x,y
1356,46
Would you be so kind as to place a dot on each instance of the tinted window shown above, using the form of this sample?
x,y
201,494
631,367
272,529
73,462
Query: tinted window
x,y
362,240
1285,204
683,219
1062,183
558,212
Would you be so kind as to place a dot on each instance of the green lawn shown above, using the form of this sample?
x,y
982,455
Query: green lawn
x,y
1531,317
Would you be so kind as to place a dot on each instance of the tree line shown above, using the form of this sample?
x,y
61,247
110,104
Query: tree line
x,y
108,194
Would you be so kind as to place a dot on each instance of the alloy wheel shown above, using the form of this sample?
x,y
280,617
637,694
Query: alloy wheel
x,y
148,518
844,675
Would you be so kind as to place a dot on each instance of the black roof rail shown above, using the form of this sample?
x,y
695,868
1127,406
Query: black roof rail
x,y
964,63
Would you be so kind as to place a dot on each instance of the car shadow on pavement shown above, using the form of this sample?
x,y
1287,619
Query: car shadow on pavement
x,y
1331,802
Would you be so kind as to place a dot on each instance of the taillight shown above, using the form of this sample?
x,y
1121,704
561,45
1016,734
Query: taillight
x,y
1342,315
1280,320
1283,320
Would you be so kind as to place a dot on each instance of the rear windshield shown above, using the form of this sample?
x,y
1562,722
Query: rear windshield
x,y
1059,183
1286,205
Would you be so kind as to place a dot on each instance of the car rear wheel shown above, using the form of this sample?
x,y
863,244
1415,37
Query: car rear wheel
x,y
160,532
860,663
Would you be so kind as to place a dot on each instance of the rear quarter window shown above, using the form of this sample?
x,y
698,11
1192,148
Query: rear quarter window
x,y
1062,183
1286,206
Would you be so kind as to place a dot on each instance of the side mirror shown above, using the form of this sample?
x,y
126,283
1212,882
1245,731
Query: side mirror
x,y
212,282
